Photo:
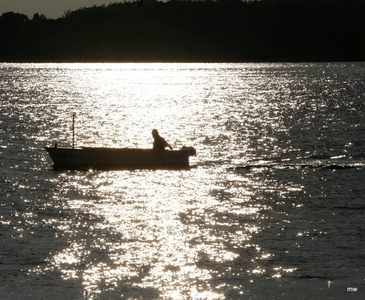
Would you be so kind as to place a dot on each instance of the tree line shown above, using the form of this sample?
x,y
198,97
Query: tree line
x,y
190,31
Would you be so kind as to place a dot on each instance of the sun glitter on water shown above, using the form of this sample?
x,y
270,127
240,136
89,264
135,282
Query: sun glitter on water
x,y
146,229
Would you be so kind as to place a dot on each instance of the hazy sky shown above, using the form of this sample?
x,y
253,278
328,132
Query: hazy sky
x,y
50,8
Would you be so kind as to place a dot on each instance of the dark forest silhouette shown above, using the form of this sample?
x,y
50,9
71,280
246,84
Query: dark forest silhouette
x,y
182,31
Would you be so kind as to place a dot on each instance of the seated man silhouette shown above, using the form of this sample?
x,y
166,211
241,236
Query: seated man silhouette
x,y
159,143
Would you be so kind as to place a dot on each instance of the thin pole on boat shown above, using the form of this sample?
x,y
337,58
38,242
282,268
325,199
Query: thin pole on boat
x,y
73,130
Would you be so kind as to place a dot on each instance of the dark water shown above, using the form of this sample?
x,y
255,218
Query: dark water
x,y
272,209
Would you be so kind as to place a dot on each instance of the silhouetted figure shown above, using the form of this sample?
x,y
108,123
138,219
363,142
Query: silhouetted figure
x,y
159,143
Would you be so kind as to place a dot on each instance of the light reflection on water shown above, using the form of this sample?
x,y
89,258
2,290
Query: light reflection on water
x,y
153,240
131,230
218,231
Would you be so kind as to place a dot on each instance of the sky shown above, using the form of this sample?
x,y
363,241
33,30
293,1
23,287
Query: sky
x,y
52,9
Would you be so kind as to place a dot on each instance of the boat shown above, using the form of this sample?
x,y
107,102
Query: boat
x,y
100,158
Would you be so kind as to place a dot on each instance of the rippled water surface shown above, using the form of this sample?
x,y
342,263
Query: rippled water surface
x,y
272,208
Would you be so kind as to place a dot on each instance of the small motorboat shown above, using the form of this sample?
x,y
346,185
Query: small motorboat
x,y
100,158
86,158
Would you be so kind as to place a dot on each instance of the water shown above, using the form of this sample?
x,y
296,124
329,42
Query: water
x,y
273,207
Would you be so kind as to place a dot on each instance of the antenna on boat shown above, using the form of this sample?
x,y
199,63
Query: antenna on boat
x,y
73,130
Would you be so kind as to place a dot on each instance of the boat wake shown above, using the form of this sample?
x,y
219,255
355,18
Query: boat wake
x,y
298,166
310,164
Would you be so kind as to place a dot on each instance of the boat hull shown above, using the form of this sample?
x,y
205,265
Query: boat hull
x,y
118,158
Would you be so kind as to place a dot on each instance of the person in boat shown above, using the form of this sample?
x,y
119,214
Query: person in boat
x,y
159,143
